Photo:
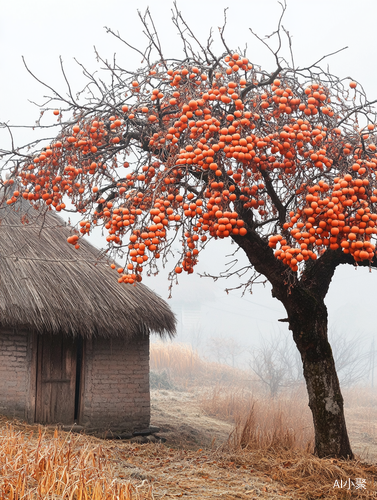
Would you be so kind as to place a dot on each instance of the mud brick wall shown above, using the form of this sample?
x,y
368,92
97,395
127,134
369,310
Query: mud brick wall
x,y
116,384
14,373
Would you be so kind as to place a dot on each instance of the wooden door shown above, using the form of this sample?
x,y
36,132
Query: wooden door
x,y
56,379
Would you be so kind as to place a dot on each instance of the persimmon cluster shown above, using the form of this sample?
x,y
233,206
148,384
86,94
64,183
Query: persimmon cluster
x,y
335,217
219,155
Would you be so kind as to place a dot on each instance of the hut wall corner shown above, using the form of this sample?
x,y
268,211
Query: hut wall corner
x,y
15,359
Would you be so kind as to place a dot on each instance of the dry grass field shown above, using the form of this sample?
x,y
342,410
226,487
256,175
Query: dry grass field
x,y
224,440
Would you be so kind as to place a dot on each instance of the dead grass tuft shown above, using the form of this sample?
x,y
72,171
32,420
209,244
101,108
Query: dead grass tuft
x,y
271,428
302,475
226,403
260,424
59,466
180,360
186,368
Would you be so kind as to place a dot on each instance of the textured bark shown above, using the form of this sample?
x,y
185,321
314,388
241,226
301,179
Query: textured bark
x,y
309,327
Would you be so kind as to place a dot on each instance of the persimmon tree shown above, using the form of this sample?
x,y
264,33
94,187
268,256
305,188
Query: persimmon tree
x,y
281,162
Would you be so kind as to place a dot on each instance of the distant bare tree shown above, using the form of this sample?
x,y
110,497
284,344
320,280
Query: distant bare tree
x,y
351,358
225,349
277,364
196,337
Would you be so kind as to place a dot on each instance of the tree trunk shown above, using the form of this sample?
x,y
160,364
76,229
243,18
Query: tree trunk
x,y
308,322
303,299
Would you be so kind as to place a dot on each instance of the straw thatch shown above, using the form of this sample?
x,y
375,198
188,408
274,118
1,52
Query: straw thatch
x,y
48,286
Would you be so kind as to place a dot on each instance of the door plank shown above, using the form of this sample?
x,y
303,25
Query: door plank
x,y
56,379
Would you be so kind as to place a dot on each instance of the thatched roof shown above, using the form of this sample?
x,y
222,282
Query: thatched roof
x,y
48,286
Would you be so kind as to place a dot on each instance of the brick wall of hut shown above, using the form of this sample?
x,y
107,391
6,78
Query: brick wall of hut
x,y
116,384
16,354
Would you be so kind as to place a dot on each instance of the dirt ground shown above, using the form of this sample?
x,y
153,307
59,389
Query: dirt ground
x,y
182,422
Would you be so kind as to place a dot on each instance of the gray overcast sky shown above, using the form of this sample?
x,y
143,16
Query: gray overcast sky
x,y
43,30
